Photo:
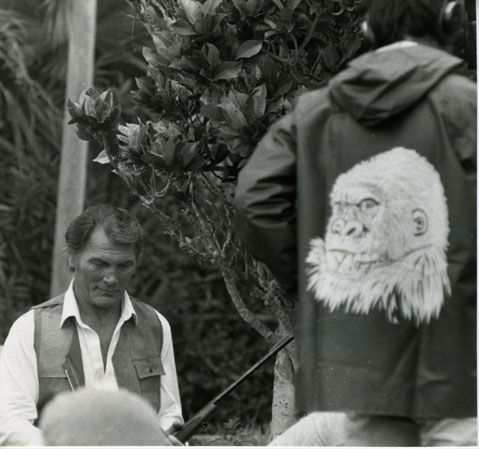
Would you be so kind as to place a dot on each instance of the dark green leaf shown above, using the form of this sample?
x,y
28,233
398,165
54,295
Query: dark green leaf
x,y
197,163
234,115
227,70
248,49
183,28
209,7
192,9
331,57
102,158
189,151
259,98
151,56
211,111
213,54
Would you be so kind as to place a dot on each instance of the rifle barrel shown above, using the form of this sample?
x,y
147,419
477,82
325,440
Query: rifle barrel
x,y
202,417
275,349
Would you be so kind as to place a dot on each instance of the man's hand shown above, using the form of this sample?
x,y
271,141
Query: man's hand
x,y
171,437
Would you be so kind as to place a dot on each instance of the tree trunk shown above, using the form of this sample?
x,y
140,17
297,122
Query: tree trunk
x,y
81,17
283,407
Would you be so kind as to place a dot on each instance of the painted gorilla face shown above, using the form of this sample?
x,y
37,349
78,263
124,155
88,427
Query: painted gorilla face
x,y
385,240
352,241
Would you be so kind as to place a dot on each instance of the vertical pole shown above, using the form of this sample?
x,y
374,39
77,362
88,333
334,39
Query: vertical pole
x,y
81,17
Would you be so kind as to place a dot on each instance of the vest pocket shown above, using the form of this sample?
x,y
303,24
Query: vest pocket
x,y
149,372
149,367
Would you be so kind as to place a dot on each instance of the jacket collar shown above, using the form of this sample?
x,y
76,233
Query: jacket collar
x,y
395,45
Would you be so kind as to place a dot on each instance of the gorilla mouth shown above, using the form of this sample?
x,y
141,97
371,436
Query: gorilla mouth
x,y
344,262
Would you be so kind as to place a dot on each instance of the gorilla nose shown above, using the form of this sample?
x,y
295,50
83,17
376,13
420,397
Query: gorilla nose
x,y
353,228
350,228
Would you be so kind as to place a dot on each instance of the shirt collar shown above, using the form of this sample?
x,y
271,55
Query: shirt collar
x,y
70,308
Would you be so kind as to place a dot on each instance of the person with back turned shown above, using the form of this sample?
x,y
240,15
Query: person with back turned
x,y
94,335
362,201
108,418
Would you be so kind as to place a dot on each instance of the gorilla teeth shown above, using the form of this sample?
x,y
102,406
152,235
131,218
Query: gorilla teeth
x,y
341,262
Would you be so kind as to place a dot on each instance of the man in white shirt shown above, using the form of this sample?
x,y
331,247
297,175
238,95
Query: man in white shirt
x,y
95,335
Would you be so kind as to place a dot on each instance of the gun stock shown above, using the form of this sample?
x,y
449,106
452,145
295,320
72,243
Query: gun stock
x,y
203,416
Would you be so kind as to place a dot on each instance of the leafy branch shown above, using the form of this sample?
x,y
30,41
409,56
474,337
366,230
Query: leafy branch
x,y
220,72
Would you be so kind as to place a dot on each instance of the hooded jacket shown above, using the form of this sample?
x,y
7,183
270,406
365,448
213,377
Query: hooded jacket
x,y
362,201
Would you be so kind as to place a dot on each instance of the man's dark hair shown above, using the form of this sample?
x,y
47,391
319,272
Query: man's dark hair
x,y
120,226
391,20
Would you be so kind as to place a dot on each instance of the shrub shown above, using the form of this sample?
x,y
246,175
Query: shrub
x,y
219,73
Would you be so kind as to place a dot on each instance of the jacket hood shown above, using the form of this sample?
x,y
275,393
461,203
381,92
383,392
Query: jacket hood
x,y
385,82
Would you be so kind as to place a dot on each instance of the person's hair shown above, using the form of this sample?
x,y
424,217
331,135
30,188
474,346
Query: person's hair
x,y
100,418
119,225
391,20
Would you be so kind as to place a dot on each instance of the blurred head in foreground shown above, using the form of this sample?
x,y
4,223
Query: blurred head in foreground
x,y
101,418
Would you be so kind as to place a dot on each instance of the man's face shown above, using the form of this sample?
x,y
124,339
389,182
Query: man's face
x,y
103,271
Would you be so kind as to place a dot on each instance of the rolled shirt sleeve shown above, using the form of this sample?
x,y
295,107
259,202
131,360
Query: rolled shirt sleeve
x,y
170,413
19,386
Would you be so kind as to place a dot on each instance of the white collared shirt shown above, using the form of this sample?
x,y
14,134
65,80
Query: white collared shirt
x,y
19,379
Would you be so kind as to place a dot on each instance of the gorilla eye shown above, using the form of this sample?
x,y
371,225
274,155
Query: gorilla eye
x,y
368,204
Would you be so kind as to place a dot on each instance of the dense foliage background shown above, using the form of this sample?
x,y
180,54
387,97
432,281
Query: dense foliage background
x,y
219,73
212,344
297,45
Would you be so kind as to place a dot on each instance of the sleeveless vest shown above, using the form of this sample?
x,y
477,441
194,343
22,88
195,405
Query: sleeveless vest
x,y
136,361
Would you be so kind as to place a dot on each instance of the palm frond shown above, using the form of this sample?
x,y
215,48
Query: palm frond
x,y
26,106
56,20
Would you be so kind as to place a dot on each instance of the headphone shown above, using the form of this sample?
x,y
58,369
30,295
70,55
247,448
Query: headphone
x,y
368,32
451,21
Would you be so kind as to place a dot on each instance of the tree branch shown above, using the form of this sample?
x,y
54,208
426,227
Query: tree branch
x,y
241,307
